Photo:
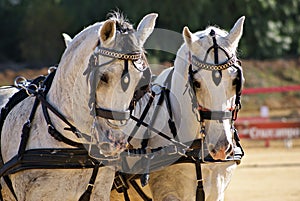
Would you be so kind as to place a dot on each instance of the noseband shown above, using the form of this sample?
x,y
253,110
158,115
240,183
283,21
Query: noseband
x,y
135,58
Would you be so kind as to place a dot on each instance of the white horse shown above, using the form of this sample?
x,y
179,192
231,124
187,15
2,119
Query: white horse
x,y
204,84
214,80
92,90
5,93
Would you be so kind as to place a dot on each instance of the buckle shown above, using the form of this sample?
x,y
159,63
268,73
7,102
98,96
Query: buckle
x,y
171,149
119,183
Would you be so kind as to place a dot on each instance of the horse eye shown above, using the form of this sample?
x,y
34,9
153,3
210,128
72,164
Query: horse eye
x,y
234,82
104,78
197,84
139,64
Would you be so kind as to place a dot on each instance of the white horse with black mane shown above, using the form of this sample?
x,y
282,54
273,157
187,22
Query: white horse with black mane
x,y
191,141
84,109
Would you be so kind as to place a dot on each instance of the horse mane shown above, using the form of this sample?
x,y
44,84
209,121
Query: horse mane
x,y
122,23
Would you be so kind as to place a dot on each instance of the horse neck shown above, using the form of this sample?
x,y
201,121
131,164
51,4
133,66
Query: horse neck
x,y
181,106
183,110
69,88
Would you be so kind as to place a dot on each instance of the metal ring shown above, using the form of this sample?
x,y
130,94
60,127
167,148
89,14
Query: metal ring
x,y
32,89
157,89
20,81
51,69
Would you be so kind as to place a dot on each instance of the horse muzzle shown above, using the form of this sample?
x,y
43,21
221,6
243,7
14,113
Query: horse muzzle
x,y
112,143
220,153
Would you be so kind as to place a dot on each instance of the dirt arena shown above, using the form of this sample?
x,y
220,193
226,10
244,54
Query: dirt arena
x,y
267,174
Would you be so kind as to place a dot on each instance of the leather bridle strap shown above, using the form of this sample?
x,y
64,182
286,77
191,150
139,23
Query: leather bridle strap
x,y
112,114
95,64
215,115
87,194
200,194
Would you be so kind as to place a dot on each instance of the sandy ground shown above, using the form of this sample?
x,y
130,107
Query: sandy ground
x,y
267,174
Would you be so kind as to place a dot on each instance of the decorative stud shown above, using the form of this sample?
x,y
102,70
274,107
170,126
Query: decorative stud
x,y
126,79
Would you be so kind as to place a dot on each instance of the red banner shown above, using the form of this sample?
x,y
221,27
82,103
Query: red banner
x,y
271,89
268,130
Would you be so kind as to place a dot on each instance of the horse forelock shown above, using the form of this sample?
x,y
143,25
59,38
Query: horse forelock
x,y
126,41
122,23
218,31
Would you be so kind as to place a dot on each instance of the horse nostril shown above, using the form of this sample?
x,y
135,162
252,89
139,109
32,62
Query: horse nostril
x,y
229,149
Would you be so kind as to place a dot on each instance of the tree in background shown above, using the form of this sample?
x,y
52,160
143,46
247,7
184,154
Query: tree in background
x,y
31,29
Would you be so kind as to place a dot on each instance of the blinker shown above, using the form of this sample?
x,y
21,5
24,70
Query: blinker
x,y
217,76
125,77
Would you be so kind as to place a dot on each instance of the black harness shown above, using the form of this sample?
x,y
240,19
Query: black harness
x,y
195,152
66,158
151,159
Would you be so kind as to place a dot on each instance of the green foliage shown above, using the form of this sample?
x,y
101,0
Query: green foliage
x,y
31,29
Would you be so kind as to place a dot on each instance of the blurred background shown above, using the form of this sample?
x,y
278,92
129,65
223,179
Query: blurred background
x,y
31,40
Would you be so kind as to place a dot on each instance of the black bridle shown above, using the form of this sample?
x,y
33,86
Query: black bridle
x,y
216,69
140,63
25,159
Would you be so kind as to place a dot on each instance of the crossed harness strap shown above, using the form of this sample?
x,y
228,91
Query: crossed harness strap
x,y
180,148
187,155
28,159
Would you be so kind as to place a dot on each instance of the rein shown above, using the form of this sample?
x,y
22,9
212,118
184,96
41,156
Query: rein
x,y
195,153
187,154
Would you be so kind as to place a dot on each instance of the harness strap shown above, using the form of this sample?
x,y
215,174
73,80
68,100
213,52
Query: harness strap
x,y
126,196
52,130
26,130
10,187
112,114
178,144
139,191
13,101
171,122
215,115
121,185
145,177
87,194
139,121
200,195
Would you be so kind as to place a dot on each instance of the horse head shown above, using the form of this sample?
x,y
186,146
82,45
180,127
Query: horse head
x,y
216,78
105,63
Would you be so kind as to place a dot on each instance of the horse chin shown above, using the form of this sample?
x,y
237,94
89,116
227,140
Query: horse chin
x,y
116,124
112,143
109,149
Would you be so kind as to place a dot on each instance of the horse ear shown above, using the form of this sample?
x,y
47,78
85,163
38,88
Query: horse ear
x,y
236,32
108,31
188,36
67,39
146,27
